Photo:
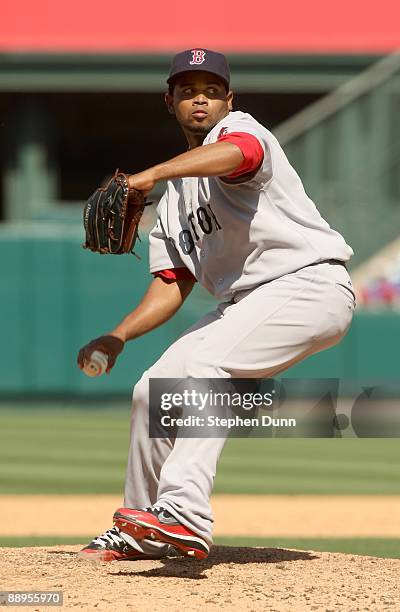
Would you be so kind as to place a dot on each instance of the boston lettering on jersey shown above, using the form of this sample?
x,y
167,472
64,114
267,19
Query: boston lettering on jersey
x,y
206,220
253,155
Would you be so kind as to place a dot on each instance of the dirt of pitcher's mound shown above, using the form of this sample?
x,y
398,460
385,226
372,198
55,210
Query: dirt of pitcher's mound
x,y
233,578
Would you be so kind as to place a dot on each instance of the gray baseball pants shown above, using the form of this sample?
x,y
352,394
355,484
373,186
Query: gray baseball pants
x,y
259,334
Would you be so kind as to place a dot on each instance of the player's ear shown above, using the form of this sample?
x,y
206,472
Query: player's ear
x,y
229,99
169,101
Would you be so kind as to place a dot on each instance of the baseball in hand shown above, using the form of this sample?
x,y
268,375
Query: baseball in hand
x,y
97,364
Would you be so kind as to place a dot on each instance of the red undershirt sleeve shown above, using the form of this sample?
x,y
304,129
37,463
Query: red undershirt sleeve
x,y
252,151
173,274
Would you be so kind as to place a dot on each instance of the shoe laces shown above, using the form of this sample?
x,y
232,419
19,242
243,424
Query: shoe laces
x,y
111,536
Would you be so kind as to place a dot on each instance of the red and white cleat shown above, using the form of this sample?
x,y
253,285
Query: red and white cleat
x,y
111,546
158,524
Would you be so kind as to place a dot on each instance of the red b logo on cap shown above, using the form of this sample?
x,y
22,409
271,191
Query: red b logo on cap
x,y
198,56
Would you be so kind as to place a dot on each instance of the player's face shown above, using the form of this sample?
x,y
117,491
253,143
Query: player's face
x,y
199,101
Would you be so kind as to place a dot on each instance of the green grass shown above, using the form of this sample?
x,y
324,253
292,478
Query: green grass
x,y
374,547
65,450
22,541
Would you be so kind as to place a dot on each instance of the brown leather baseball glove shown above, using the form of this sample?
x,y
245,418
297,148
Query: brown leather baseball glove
x,y
111,217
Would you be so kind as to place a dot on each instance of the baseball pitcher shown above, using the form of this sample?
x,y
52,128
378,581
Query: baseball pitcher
x,y
235,218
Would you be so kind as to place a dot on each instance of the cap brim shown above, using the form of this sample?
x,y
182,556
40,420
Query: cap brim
x,y
173,77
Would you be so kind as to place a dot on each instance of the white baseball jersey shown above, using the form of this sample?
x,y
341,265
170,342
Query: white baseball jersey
x,y
237,236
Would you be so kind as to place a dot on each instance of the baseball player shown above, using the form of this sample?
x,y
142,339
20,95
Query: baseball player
x,y
235,218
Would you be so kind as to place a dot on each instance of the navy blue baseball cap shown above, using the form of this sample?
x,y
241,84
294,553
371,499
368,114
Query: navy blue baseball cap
x,y
200,59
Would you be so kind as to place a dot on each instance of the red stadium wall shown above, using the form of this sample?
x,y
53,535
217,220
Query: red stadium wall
x,y
257,26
